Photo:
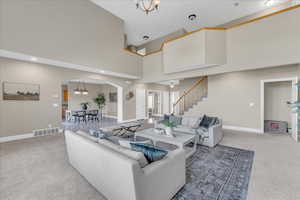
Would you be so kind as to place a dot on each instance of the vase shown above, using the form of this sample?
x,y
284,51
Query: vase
x,y
169,131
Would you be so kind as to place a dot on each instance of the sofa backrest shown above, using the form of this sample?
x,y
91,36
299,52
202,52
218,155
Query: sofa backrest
x,y
110,172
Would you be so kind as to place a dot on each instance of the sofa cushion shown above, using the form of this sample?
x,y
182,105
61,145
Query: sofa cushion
x,y
184,129
151,152
138,156
87,136
175,119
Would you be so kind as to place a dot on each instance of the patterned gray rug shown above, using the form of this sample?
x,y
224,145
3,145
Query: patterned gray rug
x,y
220,173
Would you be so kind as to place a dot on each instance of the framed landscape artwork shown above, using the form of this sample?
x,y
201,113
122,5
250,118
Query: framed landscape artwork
x,y
21,91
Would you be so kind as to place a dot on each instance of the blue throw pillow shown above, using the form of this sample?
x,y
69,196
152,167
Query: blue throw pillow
x,y
166,117
97,133
151,153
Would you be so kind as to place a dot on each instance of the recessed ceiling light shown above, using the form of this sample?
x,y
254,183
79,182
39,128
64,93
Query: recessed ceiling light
x,y
269,2
192,17
102,71
146,37
33,59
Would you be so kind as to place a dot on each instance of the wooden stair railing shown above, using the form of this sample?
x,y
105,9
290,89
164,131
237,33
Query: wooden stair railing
x,y
185,93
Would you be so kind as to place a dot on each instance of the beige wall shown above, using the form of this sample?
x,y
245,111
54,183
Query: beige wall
x,y
276,96
270,42
230,95
72,31
20,117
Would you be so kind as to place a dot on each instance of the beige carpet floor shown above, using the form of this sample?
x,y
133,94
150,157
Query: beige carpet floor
x,y
37,169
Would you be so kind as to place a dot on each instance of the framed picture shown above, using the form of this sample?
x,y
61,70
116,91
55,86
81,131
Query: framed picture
x,y
113,97
21,91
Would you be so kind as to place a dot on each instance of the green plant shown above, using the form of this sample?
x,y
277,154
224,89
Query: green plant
x,y
100,100
169,124
85,104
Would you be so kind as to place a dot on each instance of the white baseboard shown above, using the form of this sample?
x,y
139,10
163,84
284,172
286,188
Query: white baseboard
x,y
16,137
21,137
110,116
238,128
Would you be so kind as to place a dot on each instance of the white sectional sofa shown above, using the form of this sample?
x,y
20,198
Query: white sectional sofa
x,y
119,177
210,136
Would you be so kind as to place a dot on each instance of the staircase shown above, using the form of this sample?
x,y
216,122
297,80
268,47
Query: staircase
x,y
191,97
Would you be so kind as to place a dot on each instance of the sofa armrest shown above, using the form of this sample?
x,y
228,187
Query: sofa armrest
x,y
163,179
216,134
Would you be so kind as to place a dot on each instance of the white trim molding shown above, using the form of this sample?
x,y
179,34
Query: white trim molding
x,y
56,63
110,116
16,137
243,129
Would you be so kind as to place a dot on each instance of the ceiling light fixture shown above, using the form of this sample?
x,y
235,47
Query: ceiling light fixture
x,y
147,5
269,3
77,91
192,17
33,59
146,37
236,4
82,91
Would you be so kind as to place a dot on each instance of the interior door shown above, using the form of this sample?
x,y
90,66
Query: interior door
x,y
294,115
140,104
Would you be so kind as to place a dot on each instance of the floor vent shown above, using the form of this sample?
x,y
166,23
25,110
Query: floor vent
x,y
47,131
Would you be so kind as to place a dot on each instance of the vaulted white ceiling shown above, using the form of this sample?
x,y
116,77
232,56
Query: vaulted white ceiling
x,y
173,15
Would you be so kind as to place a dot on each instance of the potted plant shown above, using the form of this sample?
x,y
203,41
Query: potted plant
x,y
169,128
100,101
84,105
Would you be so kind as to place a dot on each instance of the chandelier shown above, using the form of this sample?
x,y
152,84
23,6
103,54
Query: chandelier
x,y
147,5
82,90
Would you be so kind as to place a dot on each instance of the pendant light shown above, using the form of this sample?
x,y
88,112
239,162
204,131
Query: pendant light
x,y
77,90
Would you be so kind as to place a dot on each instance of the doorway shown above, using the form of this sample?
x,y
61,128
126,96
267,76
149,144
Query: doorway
x,y
154,103
276,111
64,101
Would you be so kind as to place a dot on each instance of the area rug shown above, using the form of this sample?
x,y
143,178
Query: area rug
x,y
220,173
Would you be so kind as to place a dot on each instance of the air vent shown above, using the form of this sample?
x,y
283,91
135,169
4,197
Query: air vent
x,y
47,131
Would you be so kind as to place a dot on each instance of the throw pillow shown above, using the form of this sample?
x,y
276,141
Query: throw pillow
x,y
185,121
126,143
205,122
166,117
194,122
175,119
97,133
138,156
151,153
